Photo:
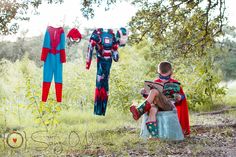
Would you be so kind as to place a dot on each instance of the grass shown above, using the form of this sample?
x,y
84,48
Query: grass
x,y
83,134
78,131
230,98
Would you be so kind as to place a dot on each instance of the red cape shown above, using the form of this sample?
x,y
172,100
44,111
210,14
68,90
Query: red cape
x,y
182,108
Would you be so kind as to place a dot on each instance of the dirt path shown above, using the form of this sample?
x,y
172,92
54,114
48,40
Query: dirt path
x,y
206,140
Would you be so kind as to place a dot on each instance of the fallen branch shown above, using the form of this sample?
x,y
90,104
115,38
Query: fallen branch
x,y
227,109
208,127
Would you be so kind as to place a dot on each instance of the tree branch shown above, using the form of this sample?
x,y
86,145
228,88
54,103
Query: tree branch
x,y
227,109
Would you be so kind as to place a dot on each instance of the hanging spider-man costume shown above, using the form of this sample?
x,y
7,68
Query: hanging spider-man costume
x,y
106,47
53,55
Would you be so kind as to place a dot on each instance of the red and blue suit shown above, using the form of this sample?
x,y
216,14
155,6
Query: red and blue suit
x,y
53,55
104,41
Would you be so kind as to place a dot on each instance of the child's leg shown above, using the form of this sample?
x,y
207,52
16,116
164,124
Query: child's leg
x,y
152,122
140,110
152,114
154,97
161,101
145,106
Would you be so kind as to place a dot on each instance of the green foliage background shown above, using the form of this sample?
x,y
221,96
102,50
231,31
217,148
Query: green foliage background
x,y
185,33
200,77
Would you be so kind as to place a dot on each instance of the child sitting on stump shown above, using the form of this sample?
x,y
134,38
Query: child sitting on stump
x,y
170,98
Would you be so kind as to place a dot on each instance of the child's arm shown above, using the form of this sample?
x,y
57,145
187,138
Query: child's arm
x,y
179,97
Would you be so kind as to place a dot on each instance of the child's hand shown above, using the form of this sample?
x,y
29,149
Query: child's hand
x,y
143,91
177,97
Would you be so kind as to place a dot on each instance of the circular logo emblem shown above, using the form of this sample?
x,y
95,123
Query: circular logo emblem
x,y
14,140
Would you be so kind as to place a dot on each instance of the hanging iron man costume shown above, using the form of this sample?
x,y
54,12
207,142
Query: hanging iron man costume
x,y
53,55
105,43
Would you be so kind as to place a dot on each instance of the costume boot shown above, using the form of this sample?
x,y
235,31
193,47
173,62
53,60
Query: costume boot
x,y
152,128
45,91
58,87
100,103
140,110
